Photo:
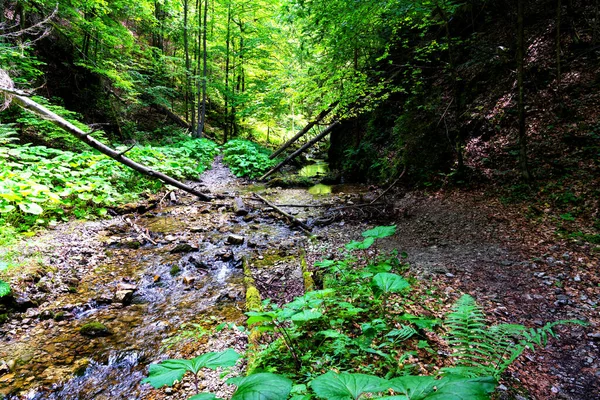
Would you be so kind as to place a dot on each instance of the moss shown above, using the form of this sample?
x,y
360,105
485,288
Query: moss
x,y
175,270
253,301
94,329
59,316
3,318
309,283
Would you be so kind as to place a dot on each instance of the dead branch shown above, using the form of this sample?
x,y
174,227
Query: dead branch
x,y
391,186
289,217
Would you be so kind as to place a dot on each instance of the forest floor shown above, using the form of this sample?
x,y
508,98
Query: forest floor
x,y
459,242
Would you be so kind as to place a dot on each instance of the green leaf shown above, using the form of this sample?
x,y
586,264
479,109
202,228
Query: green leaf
x,y
204,396
385,282
344,386
165,374
4,288
306,315
169,371
212,360
31,208
380,232
365,244
262,386
448,388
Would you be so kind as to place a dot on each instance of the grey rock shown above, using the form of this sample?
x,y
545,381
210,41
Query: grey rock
x,y
235,239
123,296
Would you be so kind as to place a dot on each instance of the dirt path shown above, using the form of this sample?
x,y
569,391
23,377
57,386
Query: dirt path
x,y
520,273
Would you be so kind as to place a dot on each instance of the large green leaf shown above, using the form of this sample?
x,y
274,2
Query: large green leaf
x,y
262,386
306,315
385,282
161,374
332,386
447,388
31,208
365,244
4,288
380,232
169,371
226,358
204,396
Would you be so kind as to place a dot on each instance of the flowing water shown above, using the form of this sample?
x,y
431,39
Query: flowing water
x,y
199,280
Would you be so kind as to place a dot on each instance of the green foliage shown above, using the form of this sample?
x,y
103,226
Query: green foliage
x,y
172,370
263,386
4,288
481,350
332,386
40,185
450,387
246,158
385,283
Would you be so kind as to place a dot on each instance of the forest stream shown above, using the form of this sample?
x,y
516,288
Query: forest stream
x,y
156,283
142,279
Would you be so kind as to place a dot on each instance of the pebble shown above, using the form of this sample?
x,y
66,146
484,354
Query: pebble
x,y
577,278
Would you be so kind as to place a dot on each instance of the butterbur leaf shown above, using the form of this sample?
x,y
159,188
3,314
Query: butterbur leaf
x,y
169,371
365,244
226,358
448,388
385,282
204,396
380,232
4,288
332,386
31,208
161,375
262,386
306,315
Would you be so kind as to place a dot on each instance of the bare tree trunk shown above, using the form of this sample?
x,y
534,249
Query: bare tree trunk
x,y
558,50
31,105
304,130
520,76
301,150
204,72
227,42
186,49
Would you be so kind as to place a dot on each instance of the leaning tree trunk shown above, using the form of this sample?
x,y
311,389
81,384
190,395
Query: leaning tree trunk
x,y
520,76
25,102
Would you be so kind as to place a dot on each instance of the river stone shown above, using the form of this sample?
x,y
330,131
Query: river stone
x,y
189,280
123,296
183,248
238,207
235,239
94,329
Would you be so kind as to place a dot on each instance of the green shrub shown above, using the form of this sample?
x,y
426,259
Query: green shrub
x,y
246,158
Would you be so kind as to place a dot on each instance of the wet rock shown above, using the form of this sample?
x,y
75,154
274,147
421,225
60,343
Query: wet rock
x,y
46,315
4,368
189,280
94,329
235,239
126,286
224,254
170,238
197,262
199,228
131,243
239,207
248,218
123,296
183,248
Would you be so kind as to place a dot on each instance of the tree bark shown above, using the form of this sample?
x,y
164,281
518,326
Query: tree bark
x,y
521,101
301,150
172,116
204,73
36,108
227,55
304,130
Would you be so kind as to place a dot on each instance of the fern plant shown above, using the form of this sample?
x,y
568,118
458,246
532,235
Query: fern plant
x,y
482,350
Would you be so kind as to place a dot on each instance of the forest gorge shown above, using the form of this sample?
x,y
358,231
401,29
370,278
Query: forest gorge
x,y
300,199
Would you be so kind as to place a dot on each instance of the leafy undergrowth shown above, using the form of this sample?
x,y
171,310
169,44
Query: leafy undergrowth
x,y
41,185
360,337
245,158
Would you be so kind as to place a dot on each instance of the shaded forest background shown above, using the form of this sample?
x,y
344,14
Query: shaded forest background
x,y
430,85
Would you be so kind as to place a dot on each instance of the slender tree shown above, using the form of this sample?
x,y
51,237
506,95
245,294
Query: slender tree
x,y
520,85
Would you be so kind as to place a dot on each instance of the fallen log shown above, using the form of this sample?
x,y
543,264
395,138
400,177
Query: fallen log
x,y
20,98
301,150
291,218
172,116
304,130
